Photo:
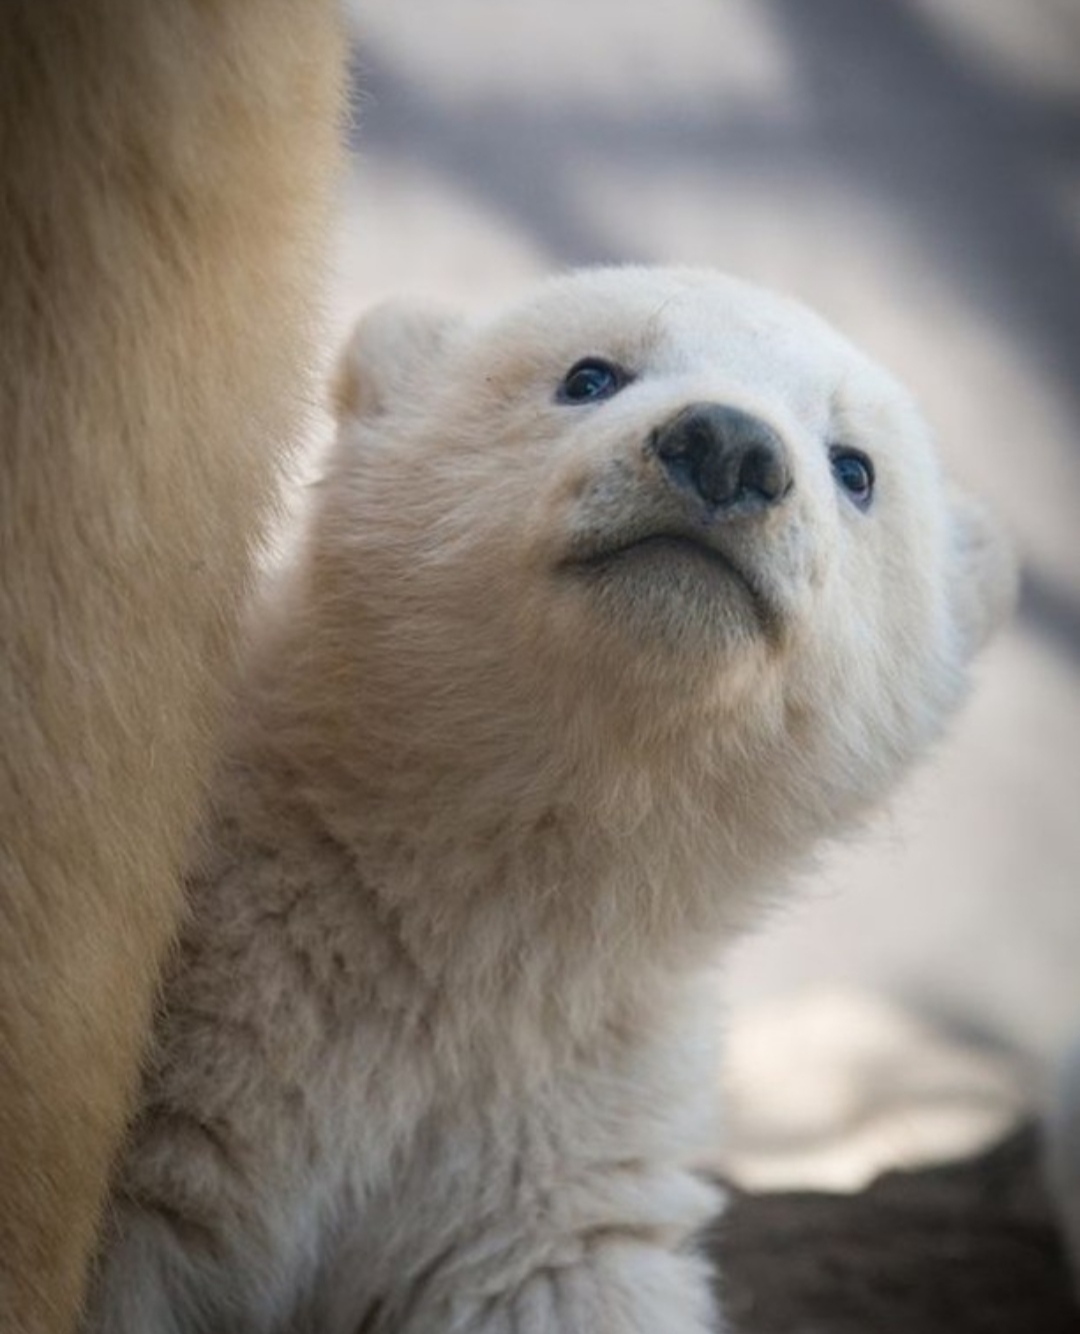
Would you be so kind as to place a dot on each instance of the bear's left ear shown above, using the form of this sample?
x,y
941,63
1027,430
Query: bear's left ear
x,y
986,576
387,356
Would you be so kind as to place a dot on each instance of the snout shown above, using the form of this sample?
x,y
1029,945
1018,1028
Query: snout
x,y
731,462
700,538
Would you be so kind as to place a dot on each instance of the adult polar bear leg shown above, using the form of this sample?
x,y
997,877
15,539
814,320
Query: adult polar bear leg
x,y
165,171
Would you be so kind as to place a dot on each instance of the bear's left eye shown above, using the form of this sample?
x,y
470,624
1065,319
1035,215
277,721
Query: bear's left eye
x,y
855,473
591,380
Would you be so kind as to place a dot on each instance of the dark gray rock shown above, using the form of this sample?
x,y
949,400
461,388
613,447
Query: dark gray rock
x,y
967,1248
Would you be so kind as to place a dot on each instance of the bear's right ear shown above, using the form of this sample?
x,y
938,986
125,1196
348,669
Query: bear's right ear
x,y
986,577
387,355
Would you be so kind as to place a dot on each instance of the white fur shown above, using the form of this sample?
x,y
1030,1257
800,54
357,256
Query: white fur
x,y
436,1053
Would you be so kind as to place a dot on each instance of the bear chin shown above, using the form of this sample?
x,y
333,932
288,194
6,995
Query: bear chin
x,y
679,590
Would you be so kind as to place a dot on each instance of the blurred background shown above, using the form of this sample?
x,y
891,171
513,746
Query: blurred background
x,y
912,169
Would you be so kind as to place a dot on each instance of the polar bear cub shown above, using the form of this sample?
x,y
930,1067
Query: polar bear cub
x,y
613,606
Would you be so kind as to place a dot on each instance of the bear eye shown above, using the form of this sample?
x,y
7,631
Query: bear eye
x,y
590,380
855,473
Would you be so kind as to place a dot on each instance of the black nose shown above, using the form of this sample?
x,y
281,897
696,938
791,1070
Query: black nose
x,y
730,459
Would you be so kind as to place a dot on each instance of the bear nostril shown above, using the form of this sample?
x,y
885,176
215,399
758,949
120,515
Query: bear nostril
x,y
725,457
763,471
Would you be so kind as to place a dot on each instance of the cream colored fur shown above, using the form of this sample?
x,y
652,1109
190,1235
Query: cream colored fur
x,y
165,175
437,1051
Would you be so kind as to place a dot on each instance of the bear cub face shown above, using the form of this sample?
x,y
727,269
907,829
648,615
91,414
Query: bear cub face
x,y
661,515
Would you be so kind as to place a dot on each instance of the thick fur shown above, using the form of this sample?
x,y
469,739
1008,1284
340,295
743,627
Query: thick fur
x,y
436,1055
166,168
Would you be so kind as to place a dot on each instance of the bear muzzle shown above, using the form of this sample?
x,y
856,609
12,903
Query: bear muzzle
x,y
699,530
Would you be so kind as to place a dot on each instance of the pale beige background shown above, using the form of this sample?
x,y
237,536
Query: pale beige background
x,y
910,167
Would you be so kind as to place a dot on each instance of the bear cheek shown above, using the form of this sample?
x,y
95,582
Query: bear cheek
x,y
585,499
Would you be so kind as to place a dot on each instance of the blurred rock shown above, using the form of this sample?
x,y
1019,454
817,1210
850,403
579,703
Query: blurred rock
x,y
968,1248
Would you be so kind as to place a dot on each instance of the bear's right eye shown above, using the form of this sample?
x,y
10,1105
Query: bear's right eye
x,y
590,380
855,473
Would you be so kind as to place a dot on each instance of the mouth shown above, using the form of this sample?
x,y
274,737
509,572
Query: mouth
x,y
672,556
659,548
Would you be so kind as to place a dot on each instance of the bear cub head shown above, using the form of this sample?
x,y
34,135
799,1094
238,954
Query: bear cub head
x,y
654,543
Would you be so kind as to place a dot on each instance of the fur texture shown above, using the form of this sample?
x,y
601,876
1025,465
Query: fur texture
x,y
165,176
528,737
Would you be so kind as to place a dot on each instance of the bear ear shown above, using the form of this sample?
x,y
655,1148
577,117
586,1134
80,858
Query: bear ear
x,y
387,356
986,576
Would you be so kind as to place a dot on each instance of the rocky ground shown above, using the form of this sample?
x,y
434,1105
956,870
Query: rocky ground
x,y
970,1248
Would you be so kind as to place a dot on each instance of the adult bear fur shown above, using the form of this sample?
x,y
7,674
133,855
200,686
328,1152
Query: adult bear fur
x,y
166,168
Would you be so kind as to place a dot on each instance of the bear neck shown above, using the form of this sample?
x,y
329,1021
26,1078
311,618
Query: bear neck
x,y
532,855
